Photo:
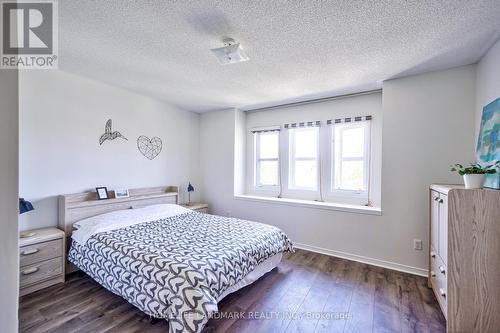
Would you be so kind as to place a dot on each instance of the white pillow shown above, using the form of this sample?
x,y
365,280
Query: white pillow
x,y
86,228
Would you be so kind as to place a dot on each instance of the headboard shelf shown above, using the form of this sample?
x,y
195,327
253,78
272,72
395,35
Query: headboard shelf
x,y
129,200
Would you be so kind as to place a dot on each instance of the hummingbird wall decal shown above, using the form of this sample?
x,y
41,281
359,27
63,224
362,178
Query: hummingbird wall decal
x,y
109,134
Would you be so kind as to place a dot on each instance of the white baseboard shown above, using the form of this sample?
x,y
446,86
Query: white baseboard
x,y
365,260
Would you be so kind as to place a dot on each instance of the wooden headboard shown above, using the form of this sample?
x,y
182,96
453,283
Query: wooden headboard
x,y
75,207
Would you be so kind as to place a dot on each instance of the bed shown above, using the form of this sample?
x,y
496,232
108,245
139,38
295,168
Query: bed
x,y
168,261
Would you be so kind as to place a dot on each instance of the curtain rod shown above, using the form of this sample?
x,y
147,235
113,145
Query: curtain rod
x,y
317,100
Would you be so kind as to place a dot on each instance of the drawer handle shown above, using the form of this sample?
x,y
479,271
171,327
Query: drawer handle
x,y
442,270
31,251
442,292
433,254
30,270
433,274
436,198
441,200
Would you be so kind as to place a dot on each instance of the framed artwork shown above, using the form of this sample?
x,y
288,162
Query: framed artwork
x,y
102,193
121,193
488,143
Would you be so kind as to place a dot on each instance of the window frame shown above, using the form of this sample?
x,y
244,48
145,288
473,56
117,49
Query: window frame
x,y
291,159
334,191
257,159
325,158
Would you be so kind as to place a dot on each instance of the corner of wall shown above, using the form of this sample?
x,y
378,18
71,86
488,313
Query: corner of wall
x,y
217,133
239,151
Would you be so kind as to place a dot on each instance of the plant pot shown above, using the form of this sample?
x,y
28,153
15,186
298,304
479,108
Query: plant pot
x,y
474,181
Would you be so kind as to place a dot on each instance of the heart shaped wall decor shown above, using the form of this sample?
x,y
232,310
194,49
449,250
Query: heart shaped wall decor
x,y
150,148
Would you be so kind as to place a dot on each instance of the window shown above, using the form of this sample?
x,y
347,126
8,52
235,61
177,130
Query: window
x,y
313,161
350,157
303,158
266,159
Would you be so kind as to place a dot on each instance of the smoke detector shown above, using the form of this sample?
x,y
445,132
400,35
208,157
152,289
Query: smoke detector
x,y
231,53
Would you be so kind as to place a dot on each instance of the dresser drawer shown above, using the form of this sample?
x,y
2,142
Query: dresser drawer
x,y
439,281
40,271
31,254
434,206
441,293
443,228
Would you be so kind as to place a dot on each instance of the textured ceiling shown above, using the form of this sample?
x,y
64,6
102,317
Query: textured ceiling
x,y
298,49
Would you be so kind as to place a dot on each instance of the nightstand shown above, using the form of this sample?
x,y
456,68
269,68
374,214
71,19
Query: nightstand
x,y
196,206
41,260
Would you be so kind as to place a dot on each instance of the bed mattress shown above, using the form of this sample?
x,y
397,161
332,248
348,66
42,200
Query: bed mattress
x,y
178,267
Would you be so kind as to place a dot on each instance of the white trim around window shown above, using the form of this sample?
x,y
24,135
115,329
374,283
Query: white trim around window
x,y
260,184
328,156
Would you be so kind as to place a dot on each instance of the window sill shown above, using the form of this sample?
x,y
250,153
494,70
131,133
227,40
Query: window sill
x,y
312,204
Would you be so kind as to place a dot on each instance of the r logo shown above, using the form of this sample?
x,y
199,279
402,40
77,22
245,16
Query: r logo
x,y
27,28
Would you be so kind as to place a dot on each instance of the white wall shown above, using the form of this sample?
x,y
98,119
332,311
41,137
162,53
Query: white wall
x,y
488,82
9,207
61,119
362,105
428,123
239,151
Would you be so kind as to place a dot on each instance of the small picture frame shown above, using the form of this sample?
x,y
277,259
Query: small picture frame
x,y
121,193
102,193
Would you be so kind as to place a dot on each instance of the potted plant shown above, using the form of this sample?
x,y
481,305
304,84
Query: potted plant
x,y
474,174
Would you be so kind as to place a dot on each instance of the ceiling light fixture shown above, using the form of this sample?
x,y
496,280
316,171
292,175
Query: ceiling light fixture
x,y
231,53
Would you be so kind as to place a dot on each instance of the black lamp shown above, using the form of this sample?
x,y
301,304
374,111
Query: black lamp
x,y
24,207
190,189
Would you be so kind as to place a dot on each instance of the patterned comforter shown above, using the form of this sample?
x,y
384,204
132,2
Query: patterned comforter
x,y
176,268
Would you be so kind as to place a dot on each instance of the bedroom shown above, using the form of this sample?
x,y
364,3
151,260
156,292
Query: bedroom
x,y
330,123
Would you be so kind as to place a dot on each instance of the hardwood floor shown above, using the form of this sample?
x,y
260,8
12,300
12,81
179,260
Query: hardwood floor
x,y
326,294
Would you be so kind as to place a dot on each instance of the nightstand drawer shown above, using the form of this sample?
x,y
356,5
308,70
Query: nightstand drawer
x,y
31,254
197,207
40,271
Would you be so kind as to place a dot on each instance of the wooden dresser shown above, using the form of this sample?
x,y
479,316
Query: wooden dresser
x,y
41,260
464,259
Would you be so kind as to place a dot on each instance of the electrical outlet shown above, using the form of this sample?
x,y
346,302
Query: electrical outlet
x,y
417,245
